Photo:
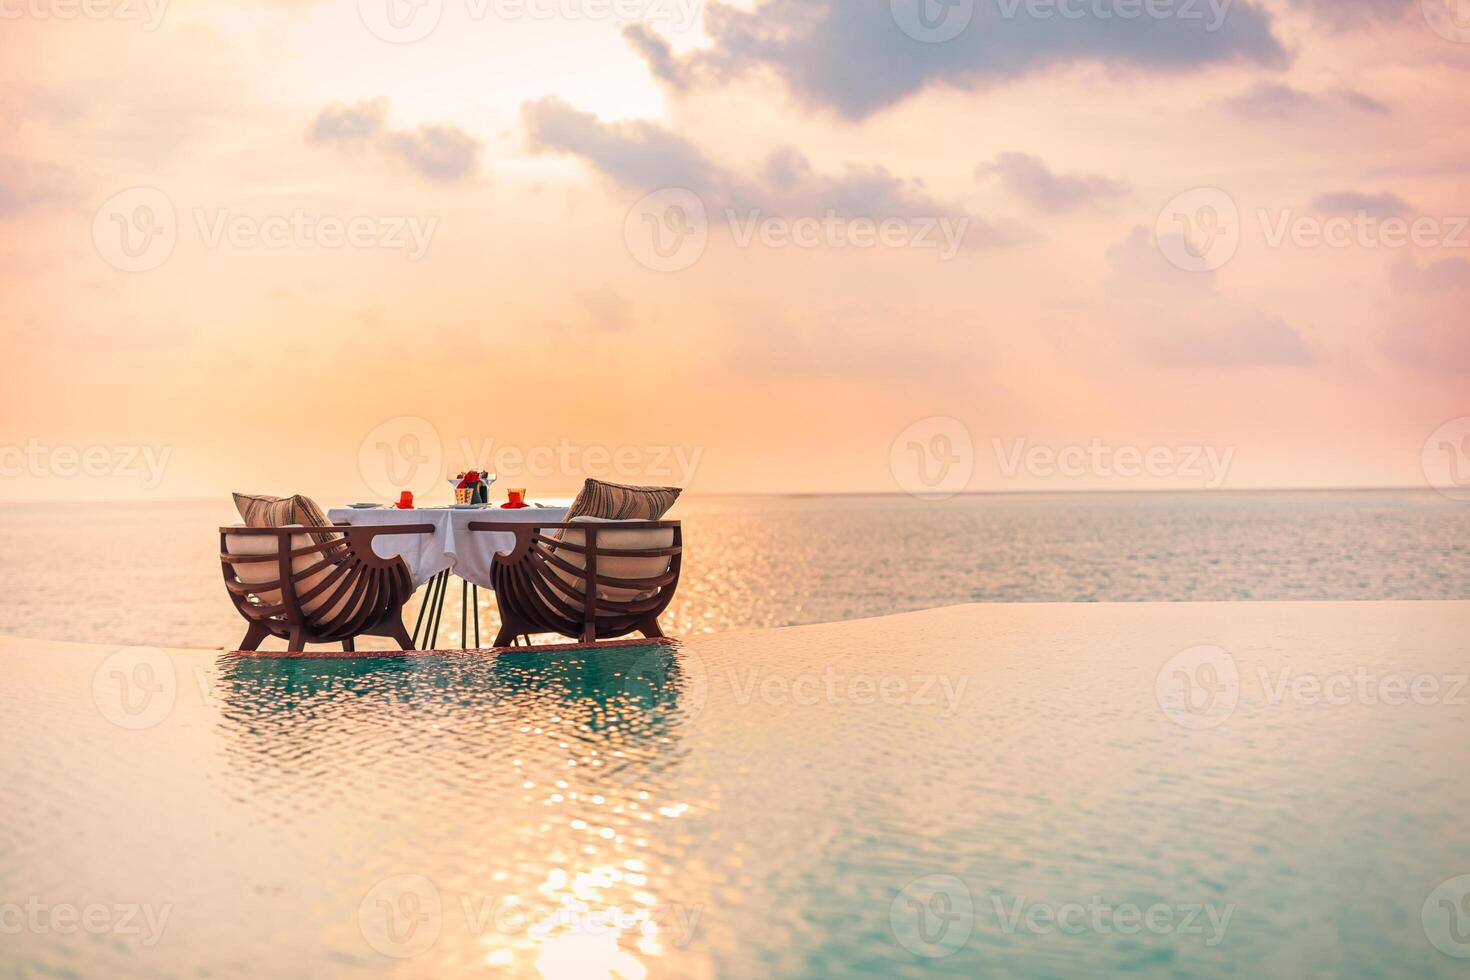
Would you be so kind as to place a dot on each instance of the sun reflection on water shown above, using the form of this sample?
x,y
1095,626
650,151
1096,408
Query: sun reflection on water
x,y
596,910
552,867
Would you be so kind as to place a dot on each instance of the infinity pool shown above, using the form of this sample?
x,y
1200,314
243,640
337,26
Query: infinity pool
x,y
1214,790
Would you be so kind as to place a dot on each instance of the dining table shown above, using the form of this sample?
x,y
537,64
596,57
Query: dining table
x,y
453,549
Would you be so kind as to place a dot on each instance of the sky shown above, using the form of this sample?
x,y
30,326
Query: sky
x,y
925,246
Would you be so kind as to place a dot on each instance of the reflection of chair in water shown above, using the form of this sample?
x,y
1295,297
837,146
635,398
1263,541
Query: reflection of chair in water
x,y
316,587
635,687
611,682
592,579
391,744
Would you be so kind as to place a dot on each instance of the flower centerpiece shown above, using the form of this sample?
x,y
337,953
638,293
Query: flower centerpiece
x,y
472,487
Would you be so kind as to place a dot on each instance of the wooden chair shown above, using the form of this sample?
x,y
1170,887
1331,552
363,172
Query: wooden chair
x,y
313,586
585,579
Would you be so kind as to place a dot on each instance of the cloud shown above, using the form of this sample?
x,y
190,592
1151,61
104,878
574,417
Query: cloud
x,y
658,54
871,341
854,58
644,156
1352,202
1030,178
1230,336
1363,102
342,123
605,310
1344,15
1181,318
437,151
27,183
790,186
1139,265
1427,330
1433,348
1278,100
634,153
1451,273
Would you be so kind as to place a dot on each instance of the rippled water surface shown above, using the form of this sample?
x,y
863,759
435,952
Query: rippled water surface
x,y
132,573
918,796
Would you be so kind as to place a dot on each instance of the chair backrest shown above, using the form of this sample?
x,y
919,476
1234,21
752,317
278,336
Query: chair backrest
x,y
612,562
318,586
587,577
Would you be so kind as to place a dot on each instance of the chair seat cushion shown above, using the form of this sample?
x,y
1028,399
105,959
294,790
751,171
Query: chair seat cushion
x,y
268,573
610,564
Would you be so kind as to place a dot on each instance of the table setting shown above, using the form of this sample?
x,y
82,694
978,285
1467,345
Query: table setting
x,y
451,549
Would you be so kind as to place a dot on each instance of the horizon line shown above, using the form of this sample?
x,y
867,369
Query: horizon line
x,y
796,494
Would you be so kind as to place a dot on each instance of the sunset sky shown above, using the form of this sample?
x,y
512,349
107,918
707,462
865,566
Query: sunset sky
x,y
862,238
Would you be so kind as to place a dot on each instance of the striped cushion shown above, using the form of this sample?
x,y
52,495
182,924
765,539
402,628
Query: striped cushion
x,y
615,502
308,514
259,510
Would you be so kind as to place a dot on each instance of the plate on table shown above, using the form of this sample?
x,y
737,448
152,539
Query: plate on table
x,y
364,506
466,506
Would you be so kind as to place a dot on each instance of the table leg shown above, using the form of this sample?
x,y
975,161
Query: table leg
x,y
433,605
439,609
475,601
464,611
423,605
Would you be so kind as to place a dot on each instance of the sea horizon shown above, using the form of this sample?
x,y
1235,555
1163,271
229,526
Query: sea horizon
x,y
701,494
758,561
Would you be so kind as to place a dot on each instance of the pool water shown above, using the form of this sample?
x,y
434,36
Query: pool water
x,y
981,791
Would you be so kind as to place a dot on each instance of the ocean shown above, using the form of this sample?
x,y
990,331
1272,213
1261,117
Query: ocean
x,y
148,573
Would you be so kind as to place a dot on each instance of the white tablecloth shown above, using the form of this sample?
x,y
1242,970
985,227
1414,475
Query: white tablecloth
x,y
468,554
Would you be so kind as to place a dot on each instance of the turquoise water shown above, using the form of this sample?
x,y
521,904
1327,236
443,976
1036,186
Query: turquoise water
x,y
153,575
914,797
